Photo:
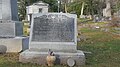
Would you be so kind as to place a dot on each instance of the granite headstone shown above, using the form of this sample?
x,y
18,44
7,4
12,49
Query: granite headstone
x,y
56,30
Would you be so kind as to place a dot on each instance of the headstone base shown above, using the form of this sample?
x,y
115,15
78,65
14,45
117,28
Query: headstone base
x,y
16,44
39,57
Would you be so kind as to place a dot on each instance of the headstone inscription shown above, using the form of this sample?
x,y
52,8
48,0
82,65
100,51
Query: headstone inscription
x,y
56,29
53,28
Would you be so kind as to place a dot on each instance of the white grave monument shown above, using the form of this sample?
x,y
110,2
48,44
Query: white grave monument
x,y
38,7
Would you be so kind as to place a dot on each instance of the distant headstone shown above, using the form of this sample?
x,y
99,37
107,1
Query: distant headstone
x,y
107,10
39,7
118,29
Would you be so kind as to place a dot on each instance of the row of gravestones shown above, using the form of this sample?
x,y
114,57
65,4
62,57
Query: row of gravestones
x,y
55,31
59,28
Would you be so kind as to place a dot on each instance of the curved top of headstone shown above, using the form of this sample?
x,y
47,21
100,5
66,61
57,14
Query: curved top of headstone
x,y
8,10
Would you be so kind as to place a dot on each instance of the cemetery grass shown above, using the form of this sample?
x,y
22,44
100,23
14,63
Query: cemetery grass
x,y
104,48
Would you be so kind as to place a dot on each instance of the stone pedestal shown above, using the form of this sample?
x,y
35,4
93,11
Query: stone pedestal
x,y
39,57
16,44
11,28
8,10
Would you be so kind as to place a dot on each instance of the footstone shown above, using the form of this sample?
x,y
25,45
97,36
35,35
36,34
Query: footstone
x,y
39,57
3,49
16,44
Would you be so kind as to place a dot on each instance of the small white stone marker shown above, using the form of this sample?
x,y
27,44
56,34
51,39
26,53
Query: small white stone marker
x,y
70,62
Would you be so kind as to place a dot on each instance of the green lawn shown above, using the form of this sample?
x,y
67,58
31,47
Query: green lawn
x,y
105,48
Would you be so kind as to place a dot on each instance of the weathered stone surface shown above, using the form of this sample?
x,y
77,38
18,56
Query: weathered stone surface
x,y
8,10
3,49
70,62
107,10
11,28
16,44
62,57
57,31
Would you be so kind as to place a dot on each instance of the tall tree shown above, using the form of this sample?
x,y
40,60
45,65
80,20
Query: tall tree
x,y
52,5
22,9
87,7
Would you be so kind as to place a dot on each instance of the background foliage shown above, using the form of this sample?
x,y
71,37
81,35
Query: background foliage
x,y
92,7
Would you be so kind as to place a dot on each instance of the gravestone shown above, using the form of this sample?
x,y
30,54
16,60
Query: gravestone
x,y
8,10
107,10
38,7
9,24
11,30
54,31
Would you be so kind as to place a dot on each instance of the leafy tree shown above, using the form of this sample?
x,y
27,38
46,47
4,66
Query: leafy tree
x,y
74,7
86,7
22,9
115,6
52,5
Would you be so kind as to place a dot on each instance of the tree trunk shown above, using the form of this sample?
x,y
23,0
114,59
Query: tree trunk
x,y
107,10
65,8
82,9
